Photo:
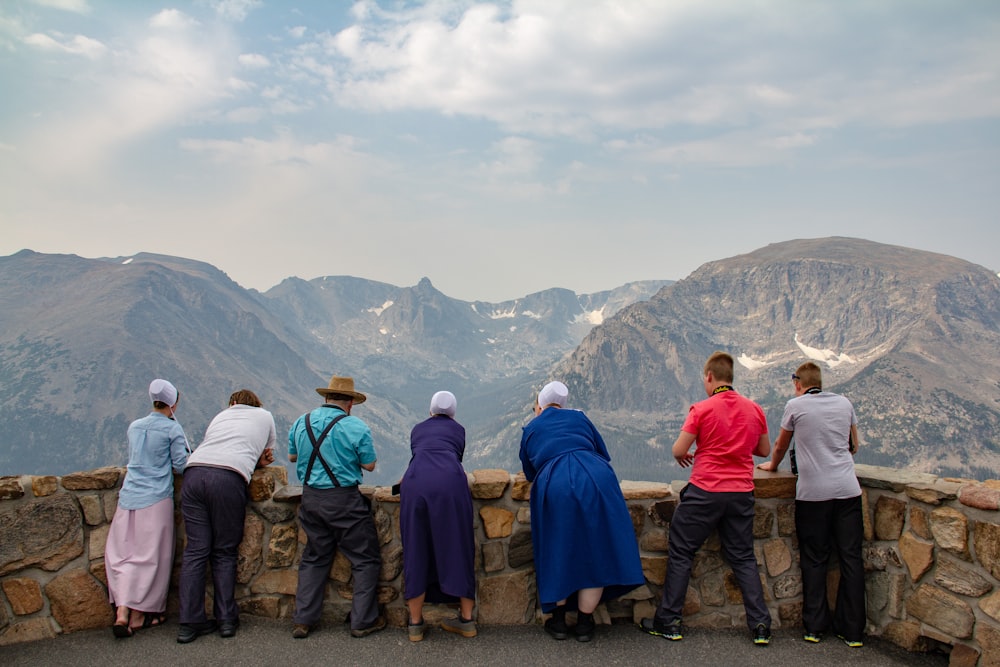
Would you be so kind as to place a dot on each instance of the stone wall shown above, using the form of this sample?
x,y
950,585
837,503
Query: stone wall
x,y
932,556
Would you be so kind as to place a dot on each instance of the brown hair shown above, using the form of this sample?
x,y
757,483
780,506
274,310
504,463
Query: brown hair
x,y
245,397
720,365
810,375
160,405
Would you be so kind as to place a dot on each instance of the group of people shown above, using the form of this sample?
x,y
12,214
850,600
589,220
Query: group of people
x,y
584,545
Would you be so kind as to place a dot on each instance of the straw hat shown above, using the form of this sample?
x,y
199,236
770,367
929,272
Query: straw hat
x,y
342,385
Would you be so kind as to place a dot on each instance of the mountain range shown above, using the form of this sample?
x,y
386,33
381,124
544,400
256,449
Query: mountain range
x,y
911,337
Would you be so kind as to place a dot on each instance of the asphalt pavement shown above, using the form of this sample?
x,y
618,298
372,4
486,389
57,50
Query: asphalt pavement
x,y
269,643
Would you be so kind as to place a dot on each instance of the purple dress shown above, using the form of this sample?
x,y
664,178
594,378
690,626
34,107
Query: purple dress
x,y
435,515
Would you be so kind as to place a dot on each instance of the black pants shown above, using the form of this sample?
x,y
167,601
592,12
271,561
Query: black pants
x,y
699,513
824,526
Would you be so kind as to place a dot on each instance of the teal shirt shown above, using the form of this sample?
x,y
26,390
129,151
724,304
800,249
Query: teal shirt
x,y
346,448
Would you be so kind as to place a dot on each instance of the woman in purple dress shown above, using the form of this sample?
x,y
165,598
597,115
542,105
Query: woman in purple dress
x,y
435,521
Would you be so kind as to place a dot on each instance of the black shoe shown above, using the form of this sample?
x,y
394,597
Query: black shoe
x,y
584,629
657,628
228,628
188,632
556,624
761,635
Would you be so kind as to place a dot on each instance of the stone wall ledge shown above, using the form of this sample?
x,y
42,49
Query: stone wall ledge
x,y
931,551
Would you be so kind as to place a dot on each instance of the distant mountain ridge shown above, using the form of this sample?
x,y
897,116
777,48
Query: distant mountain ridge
x,y
80,339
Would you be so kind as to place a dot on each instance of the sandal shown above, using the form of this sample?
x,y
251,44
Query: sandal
x,y
151,621
121,631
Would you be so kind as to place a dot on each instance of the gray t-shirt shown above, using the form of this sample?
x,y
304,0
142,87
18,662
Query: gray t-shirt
x,y
821,427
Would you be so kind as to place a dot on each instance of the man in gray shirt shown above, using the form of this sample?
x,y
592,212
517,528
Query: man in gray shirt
x,y
828,512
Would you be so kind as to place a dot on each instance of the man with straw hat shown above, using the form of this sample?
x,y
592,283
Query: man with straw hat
x,y
331,448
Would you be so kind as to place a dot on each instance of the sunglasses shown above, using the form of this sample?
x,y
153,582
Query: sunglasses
x,y
795,377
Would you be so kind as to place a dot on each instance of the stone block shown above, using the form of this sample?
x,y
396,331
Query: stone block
x,y
961,580
786,519
268,606
47,533
763,522
662,512
989,641
493,557
920,524
942,610
638,515
276,581
788,586
980,496
288,494
384,525
44,485
93,509
906,635
248,556
705,562
963,655
274,512
889,515
712,588
790,614
506,599
654,539
101,478
23,594
110,500
31,630
520,488
392,562
520,551
11,488
917,555
489,483
777,557
383,494
261,486
97,540
644,490
715,619
340,569
654,568
497,522
642,609
773,484
890,479
98,571
282,546
991,606
934,493
986,540
78,602
524,515
950,529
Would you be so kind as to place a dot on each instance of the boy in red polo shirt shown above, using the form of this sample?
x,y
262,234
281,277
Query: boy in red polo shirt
x,y
730,430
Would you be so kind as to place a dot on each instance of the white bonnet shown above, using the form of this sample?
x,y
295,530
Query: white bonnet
x,y
443,403
553,393
163,391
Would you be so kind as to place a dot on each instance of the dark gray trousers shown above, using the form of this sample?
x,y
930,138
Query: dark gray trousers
x,y
335,519
699,513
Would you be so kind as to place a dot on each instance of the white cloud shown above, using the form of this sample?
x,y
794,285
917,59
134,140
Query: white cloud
x,y
77,6
76,45
172,19
298,32
254,60
234,10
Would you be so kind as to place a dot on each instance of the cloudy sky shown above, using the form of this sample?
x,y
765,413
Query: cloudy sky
x,y
496,148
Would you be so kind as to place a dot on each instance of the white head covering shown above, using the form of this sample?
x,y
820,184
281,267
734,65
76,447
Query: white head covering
x,y
554,392
163,391
443,403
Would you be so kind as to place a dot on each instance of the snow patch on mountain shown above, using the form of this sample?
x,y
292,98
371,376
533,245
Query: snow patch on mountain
x,y
829,357
378,310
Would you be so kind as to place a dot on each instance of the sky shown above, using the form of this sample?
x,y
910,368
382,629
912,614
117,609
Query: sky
x,y
498,148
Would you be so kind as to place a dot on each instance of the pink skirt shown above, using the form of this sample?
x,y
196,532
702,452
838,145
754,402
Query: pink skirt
x,y
139,555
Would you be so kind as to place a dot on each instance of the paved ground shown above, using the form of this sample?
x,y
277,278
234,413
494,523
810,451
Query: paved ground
x,y
269,643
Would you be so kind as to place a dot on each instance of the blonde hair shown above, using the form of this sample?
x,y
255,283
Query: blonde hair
x,y
810,375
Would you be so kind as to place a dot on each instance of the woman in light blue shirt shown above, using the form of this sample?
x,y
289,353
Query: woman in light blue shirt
x,y
140,547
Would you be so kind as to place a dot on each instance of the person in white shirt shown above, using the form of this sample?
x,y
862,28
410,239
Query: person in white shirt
x,y
213,501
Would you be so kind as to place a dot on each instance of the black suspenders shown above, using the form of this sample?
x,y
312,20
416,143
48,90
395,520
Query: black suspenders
x,y
315,452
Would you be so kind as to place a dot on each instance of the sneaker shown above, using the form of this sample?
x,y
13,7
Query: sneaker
x,y
301,630
416,631
584,629
376,625
853,643
655,627
812,637
459,626
761,635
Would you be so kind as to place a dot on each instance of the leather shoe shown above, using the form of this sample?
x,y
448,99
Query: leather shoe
x,y
188,632
228,628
